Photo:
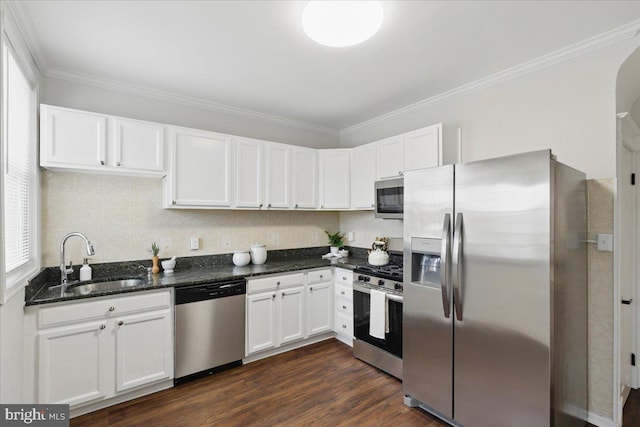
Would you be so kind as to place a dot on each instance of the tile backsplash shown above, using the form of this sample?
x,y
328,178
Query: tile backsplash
x,y
122,216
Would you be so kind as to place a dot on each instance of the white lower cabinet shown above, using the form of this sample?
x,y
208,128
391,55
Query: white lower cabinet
x,y
289,308
85,352
343,303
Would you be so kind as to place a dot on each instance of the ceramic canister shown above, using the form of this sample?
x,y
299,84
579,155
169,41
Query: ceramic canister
x,y
241,258
258,253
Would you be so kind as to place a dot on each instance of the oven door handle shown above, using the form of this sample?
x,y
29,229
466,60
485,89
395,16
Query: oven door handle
x,y
395,298
445,260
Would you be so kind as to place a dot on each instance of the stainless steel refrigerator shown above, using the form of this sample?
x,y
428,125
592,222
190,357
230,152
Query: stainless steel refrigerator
x,y
495,292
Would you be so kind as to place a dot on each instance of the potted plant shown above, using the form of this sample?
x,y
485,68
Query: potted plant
x,y
335,241
155,250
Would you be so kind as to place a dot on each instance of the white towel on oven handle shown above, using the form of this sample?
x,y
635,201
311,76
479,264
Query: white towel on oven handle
x,y
378,314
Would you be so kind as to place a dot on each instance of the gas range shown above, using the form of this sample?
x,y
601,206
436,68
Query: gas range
x,y
387,278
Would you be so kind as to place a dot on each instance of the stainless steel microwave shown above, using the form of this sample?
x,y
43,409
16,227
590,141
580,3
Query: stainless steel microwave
x,y
390,198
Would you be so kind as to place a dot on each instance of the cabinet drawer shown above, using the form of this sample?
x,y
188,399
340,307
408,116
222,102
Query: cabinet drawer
x,y
344,277
319,276
344,324
341,291
344,306
274,282
102,307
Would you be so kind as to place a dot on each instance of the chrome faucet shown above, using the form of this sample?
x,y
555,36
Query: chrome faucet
x,y
64,270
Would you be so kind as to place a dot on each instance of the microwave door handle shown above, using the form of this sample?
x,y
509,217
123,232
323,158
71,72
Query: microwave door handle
x,y
458,243
445,258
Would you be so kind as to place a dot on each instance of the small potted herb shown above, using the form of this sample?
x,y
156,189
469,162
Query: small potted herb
x,y
155,250
335,241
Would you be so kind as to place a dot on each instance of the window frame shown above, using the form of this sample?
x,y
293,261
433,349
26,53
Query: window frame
x,y
13,282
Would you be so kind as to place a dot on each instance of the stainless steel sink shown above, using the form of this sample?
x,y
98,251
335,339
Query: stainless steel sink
x,y
103,286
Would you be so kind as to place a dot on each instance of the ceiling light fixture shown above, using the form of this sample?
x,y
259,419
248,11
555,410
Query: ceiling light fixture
x,y
341,23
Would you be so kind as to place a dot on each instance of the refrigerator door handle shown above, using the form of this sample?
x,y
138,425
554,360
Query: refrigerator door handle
x,y
445,258
457,266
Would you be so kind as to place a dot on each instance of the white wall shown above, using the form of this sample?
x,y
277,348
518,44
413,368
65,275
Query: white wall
x,y
568,107
69,94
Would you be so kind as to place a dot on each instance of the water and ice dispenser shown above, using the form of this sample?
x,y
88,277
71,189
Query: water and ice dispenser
x,y
425,261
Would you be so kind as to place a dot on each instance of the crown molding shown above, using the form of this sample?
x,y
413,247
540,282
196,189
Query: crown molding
x,y
189,101
588,45
24,25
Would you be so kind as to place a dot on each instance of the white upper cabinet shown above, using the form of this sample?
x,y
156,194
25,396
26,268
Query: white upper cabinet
x,y
278,175
305,178
421,148
80,140
249,181
137,145
363,176
390,157
334,178
200,172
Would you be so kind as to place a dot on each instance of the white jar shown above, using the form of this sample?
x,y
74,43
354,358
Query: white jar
x,y
241,258
258,254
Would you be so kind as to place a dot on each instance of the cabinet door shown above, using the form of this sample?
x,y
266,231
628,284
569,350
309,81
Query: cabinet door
x,y
423,148
73,364
144,349
363,176
334,179
390,157
261,322
137,145
305,178
291,319
319,308
249,175
72,138
201,168
278,178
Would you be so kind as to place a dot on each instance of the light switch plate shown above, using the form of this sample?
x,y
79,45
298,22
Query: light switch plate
x,y
605,242
194,243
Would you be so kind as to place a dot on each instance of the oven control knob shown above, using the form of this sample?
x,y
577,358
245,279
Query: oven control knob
x,y
380,282
398,286
367,278
361,278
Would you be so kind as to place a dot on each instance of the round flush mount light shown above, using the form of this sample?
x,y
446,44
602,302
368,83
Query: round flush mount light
x,y
341,23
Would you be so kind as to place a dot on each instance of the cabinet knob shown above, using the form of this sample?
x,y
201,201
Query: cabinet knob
x,y
173,202
278,283
260,205
101,162
341,292
273,296
311,289
117,163
269,205
120,323
344,278
344,307
373,205
321,276
112,308
103,326
283,294
296,206
400,172
344,326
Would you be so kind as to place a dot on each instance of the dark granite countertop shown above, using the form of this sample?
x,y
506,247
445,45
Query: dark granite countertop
x,y
42,289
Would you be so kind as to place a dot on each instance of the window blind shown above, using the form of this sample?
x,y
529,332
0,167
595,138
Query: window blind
x,y
19,133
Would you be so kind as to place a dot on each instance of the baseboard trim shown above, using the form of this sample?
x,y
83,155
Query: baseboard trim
x,y
287,347
599,420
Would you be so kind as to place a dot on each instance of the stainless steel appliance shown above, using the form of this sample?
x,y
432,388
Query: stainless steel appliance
x,y
383,353
389,195
210,328
495,314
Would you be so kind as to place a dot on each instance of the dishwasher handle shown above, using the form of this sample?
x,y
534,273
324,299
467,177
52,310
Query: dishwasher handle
x,y
195,293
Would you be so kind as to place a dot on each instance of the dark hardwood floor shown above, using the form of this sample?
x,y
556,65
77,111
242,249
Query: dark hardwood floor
x,y
321,384
631,413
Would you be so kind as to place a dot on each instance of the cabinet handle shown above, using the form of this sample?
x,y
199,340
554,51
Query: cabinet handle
x,y
283,294
112,308
278,283
296,206
344,278
344,307
101,162
120,323
117,163
173,202
310,289
269,205
273,296
341,292
344,326
103,326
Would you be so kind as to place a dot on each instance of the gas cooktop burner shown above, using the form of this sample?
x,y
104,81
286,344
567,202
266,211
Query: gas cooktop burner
x,y
389,271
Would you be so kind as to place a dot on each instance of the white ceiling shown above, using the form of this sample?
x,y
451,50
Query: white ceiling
x,y
254,55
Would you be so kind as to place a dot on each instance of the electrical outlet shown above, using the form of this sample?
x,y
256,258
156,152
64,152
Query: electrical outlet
x,y
351,236
605,242
194,243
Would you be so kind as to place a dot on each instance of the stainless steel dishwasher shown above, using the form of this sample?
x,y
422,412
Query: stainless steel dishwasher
x,y
209,328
